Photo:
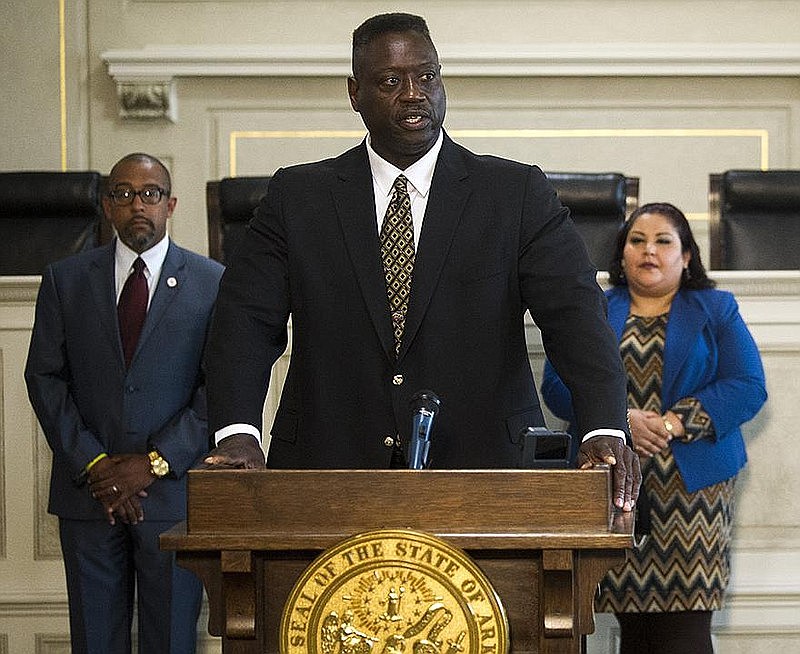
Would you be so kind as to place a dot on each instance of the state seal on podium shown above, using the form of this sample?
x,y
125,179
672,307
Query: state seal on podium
x,y
391,591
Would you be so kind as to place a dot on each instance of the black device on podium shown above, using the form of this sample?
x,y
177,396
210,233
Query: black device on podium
x,y
543,448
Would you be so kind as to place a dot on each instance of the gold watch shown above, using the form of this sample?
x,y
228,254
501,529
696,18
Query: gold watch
x,y
158,465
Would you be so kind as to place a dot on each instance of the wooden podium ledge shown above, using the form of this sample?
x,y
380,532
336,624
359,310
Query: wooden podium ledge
x,y
486,509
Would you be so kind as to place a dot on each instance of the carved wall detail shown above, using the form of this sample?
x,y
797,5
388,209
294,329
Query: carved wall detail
x,y
147,100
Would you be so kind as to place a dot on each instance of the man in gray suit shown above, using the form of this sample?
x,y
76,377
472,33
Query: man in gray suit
x,y
483,240
121,400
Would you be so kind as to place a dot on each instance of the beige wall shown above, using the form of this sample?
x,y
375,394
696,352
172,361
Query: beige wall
x,y
681,88
667,90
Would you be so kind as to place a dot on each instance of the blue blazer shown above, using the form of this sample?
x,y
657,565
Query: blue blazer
x,y
709,354
85,399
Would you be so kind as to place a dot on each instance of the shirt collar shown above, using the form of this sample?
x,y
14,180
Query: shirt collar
x,y
153,257
419,174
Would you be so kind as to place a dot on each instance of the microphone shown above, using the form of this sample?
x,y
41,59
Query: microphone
x,y
425,405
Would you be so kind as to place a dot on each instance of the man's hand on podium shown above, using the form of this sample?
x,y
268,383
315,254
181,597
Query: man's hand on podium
x,y
626,472
236,451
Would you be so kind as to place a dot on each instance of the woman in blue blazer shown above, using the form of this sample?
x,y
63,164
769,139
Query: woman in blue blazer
x,y
694,377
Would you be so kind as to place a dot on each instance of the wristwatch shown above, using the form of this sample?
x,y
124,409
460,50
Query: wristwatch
x,y
158,464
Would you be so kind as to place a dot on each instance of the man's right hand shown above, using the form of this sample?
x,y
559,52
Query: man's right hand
x,y
128,510
626,471
236,451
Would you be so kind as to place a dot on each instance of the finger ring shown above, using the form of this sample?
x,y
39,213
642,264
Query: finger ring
x,y
115,489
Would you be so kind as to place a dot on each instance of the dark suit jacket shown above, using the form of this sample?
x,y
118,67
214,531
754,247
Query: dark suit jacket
x,y
87,403
709,354
495,242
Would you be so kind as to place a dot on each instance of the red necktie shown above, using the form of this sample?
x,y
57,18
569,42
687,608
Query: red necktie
x,y
132,309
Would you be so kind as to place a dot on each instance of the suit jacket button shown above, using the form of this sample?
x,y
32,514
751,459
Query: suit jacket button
x,y
397,380
388,441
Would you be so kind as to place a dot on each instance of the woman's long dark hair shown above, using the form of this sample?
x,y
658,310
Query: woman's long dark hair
x,y
694,278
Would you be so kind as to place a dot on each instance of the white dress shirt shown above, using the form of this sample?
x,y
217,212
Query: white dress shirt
x,y
153,262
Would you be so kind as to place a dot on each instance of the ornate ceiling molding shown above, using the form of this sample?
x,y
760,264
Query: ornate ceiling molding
x,y
145,77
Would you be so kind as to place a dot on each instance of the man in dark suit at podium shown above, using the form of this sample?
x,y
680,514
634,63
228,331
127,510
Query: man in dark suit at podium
x,y
408,263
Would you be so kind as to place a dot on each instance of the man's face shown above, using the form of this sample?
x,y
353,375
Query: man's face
x,y
400,95
139,225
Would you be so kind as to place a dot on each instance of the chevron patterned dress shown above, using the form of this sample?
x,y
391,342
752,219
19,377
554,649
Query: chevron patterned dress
x,y
683,564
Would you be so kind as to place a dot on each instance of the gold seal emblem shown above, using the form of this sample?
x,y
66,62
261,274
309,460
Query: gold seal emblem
x,y
391,591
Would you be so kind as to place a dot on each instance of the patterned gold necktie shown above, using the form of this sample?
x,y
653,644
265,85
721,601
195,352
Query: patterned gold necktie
x,y
397,252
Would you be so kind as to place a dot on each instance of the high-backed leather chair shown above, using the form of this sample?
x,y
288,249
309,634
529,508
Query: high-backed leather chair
x,y
230,203
45,216
598,204
754,220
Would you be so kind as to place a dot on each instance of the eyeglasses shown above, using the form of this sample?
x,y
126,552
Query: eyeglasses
x,y
124,195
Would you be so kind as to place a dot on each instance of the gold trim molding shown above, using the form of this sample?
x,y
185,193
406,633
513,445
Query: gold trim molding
x,y
62,80
760,135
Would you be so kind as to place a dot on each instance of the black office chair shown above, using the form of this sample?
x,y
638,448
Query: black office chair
x,y
598,204
46,216
754,220
230,203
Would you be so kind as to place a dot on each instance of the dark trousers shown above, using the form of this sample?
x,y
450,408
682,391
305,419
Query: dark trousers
x,y
107,567
679,632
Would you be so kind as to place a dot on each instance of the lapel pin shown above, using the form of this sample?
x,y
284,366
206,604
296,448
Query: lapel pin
x,y
172,282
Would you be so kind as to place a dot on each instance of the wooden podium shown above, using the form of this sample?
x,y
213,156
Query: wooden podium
x,y
544,538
